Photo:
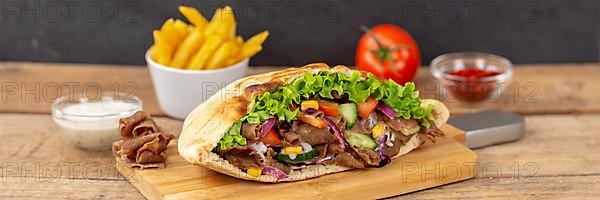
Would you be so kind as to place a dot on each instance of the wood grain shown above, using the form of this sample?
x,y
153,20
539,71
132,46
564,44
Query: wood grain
x,y
546,187
564,147
29,188
536,89
36,84
552,145
543,187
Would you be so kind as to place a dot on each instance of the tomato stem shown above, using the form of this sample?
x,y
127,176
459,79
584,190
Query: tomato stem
x,y
366,30
383,53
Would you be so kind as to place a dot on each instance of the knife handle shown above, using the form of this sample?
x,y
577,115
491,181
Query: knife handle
x,y
490,127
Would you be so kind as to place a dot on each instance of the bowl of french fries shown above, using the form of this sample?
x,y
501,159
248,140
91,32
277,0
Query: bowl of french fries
x,y
189,62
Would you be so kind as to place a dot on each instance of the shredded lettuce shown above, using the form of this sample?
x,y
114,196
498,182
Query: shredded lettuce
x,y
233,136
402,99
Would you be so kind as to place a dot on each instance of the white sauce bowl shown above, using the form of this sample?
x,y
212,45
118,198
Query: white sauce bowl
x,y
93,124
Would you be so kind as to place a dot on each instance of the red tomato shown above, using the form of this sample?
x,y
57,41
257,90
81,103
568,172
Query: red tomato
x,y
367,107
329,108
309,119
271,138
390,52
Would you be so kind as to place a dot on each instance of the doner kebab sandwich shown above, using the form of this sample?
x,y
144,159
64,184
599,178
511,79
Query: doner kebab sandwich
x,y
306,122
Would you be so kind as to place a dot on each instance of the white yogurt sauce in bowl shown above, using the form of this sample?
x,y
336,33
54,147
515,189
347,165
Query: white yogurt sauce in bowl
x,y
93,124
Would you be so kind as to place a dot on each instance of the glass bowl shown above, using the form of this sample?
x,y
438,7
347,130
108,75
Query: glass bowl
x,y
93,124
471,76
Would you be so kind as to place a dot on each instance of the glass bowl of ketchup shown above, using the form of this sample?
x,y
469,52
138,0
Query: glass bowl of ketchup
x,y
471,77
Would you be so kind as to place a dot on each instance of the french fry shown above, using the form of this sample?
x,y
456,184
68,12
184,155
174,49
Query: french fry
x,y
236,48
239,40
165,50
223,21
232,60
193,16
169,33
258,39
204,44
232,30
181,28
188,47
215,23
235,53
210,45
243,53
234,57
167,23
153,52
229,23
250,50
217,60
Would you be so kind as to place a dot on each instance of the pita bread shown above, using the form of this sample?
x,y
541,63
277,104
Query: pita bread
x,y
207,124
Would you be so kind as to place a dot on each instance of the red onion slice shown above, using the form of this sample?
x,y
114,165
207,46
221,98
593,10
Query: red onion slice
x,y
380,142
266,127
386,110
336,131
384,158
323,159
275,172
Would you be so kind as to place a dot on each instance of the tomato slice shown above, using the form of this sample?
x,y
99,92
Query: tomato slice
x,y
271,138
329,108
309,119
367,107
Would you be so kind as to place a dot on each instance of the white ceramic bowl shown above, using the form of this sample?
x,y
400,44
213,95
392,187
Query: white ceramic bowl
x,y
93,124
179,91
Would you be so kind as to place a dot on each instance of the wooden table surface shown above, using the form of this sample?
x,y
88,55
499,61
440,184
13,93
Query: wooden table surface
x,y
559,156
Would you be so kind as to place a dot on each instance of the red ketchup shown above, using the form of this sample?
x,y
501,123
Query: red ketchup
x,y
472,88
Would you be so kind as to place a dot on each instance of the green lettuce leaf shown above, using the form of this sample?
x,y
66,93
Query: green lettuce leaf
x,y
233,136
402,99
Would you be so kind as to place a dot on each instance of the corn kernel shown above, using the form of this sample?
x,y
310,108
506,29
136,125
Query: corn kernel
x,y
293,150
378,131
255,171
310,104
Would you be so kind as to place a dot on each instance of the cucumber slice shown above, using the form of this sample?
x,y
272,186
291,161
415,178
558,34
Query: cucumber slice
x,y
360,140
299,158
349,112
409,131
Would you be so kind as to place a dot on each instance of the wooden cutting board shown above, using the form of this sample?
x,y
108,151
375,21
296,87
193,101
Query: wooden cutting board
x,y
432,165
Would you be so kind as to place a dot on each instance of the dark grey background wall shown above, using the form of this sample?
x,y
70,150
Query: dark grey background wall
x,y
302,31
